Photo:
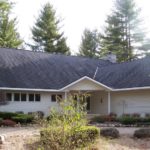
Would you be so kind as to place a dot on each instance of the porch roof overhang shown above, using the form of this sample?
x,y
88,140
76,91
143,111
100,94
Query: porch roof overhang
x,y
97,85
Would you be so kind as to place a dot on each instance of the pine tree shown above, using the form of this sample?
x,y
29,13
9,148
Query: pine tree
x,y
9,37
90,43
46,34
123,34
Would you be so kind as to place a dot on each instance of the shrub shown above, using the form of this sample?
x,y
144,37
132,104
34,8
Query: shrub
x,y
19,112
66,127
102,119
1,119
109,132
126,115
137,115
98,119
128,120
40,114
71,139
23,118
113,114
142,133
8,122
147,115
7,115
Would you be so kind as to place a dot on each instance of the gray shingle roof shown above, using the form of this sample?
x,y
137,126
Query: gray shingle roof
x,y
126,75
25,69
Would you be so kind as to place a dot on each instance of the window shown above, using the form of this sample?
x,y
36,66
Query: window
x,y
8,96
56,97
37,97
31,97
23,97
16,97
53,98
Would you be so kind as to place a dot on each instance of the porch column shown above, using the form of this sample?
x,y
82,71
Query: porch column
x,y
109,103
66,95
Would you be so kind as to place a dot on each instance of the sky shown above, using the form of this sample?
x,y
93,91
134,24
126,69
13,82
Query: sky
x,y
76,14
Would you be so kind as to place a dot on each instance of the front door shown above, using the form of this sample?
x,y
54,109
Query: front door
x,y
88,101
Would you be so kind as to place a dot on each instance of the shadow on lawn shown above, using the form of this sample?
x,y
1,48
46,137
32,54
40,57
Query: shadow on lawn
x,y
124,142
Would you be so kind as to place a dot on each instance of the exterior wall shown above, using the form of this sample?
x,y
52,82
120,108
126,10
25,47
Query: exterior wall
x,y
121,102
44,105
131,102
99,103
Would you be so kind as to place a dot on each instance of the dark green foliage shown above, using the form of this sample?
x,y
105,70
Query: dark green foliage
x,y
124,33
128,120
90,44
9,37
79,138
142,133
17,117
23,118
1,119
98,119
109,132
46,34
7,115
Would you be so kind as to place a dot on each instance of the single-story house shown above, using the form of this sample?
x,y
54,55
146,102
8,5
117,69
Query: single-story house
x,y
31,81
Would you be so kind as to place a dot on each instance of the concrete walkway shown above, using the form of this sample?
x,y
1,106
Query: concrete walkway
x,y
9,131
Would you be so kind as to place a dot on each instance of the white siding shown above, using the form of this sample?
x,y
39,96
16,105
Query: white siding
x,y
44,105
131,102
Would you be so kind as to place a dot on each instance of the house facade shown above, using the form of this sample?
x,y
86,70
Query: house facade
x,y
32,81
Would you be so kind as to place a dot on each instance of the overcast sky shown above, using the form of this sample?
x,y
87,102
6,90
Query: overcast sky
x,y
77,15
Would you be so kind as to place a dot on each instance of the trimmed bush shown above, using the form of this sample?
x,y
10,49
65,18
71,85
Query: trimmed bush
x,y
126,115
128,120
142,133
56,138
23,118
137,115
8,122
17,117
109,132
1,119
147,115
7,115
98,119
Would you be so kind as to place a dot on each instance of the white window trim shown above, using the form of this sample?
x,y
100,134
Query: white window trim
x,y
27,97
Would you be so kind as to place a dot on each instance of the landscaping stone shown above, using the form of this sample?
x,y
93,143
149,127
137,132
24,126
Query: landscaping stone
x,y
2,139
142,133
109,132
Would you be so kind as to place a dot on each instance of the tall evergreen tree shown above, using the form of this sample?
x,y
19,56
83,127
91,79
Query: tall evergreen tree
x,y
9,37
123,33
46,35
90,43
